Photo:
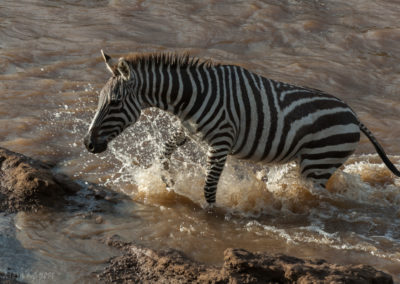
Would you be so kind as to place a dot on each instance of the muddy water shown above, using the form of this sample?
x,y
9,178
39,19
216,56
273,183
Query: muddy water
x,y
50,76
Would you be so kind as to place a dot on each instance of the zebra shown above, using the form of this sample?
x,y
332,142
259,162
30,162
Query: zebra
x,y
235,111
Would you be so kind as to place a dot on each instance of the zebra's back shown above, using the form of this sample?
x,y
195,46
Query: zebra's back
x,y
282,122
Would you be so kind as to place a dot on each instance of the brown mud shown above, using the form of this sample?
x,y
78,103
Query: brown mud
x,y
28,184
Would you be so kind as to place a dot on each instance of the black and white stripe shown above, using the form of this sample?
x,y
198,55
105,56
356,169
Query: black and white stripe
x,y
235,111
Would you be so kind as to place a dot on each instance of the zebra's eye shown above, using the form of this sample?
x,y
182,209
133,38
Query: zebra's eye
x,y
114,102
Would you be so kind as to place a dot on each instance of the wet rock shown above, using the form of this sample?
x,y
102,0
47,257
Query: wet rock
x,y
101,193
143,265
28,184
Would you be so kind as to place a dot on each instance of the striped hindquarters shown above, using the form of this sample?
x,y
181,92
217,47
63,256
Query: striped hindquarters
x,y
278,120
281,122
318,130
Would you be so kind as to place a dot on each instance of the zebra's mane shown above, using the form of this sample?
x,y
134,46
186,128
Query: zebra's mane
x,y
169,59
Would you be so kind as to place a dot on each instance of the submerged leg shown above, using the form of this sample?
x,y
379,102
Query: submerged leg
x,y
321,169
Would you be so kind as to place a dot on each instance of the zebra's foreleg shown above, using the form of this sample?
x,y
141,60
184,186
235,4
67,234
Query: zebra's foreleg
x,y
215,164
177,140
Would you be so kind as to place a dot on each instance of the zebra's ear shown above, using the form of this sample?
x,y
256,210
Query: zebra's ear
x,y
123,69
109,63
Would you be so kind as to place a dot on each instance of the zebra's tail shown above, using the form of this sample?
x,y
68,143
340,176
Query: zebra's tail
x,y
379,149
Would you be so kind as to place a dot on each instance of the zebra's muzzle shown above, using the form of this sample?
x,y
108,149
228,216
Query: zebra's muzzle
x,y
94,146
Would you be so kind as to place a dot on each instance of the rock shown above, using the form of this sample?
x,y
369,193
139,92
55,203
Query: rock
x,y
139,264
28,184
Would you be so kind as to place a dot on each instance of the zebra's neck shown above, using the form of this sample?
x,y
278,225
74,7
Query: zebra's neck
x,y
173,87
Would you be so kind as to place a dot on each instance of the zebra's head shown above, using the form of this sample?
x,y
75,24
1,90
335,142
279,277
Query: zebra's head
x,y
118,106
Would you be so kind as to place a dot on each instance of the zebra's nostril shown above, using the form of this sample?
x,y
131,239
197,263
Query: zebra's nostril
x,y
88,143
90,147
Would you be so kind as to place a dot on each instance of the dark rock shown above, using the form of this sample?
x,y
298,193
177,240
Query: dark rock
x,y
142,265
28,184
